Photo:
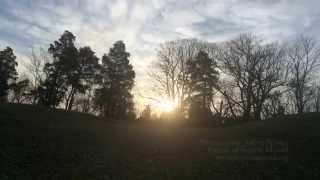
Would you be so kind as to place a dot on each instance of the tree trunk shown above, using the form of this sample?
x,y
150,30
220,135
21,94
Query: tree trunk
x,y
70,99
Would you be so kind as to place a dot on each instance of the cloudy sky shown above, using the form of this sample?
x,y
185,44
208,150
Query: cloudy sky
x,y
143,24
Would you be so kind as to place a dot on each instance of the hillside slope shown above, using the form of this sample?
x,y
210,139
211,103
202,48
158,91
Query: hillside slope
x,y
37,143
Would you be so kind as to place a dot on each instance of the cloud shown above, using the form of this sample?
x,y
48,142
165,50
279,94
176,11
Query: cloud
x,y
143,24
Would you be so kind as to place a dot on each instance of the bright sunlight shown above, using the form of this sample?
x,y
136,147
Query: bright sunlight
x,y
166,105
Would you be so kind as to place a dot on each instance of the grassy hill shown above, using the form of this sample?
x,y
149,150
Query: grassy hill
x,y
37,143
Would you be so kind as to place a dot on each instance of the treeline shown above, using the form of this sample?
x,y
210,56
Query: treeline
x,y
72,78
246,78
242,79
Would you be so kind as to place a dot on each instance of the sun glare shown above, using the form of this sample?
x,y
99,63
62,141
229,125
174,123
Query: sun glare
x,y
166,105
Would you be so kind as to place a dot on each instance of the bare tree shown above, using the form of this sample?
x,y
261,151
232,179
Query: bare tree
x,y
273,106
169,72
37,60
225,104
252,71
82,104
303,60
315,103
317,100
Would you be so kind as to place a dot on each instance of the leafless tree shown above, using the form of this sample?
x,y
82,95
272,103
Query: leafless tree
x,y
315,102
274,106
169,71
82,104
37,60
84,101
252,71
303,60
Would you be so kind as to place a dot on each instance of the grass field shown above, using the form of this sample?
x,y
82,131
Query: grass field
x,y
37,143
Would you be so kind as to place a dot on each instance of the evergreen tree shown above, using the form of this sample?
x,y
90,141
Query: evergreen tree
x,y
113,97
21,91
52,90
8,73
61,73
203,78
84,73
197,114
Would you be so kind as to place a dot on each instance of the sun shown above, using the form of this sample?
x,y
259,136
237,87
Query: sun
x,y
166,105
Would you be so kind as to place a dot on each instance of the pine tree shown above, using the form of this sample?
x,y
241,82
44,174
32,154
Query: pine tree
x,y
61,73
87,69
84,71
21,91
52,90
114,97
8,73
203,78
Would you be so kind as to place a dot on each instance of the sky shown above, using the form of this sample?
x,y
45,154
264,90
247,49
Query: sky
x,y
144,24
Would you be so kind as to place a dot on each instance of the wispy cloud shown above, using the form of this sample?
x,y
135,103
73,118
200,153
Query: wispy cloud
x,y
143,24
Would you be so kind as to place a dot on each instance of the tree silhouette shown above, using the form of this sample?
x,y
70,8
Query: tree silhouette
x,y
248,76
303,60
197,113
52,90
87,69
61,73
35,67
84,71
316,99
254,70
203,78
170,70
21,91
8,73
146,113
113,96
